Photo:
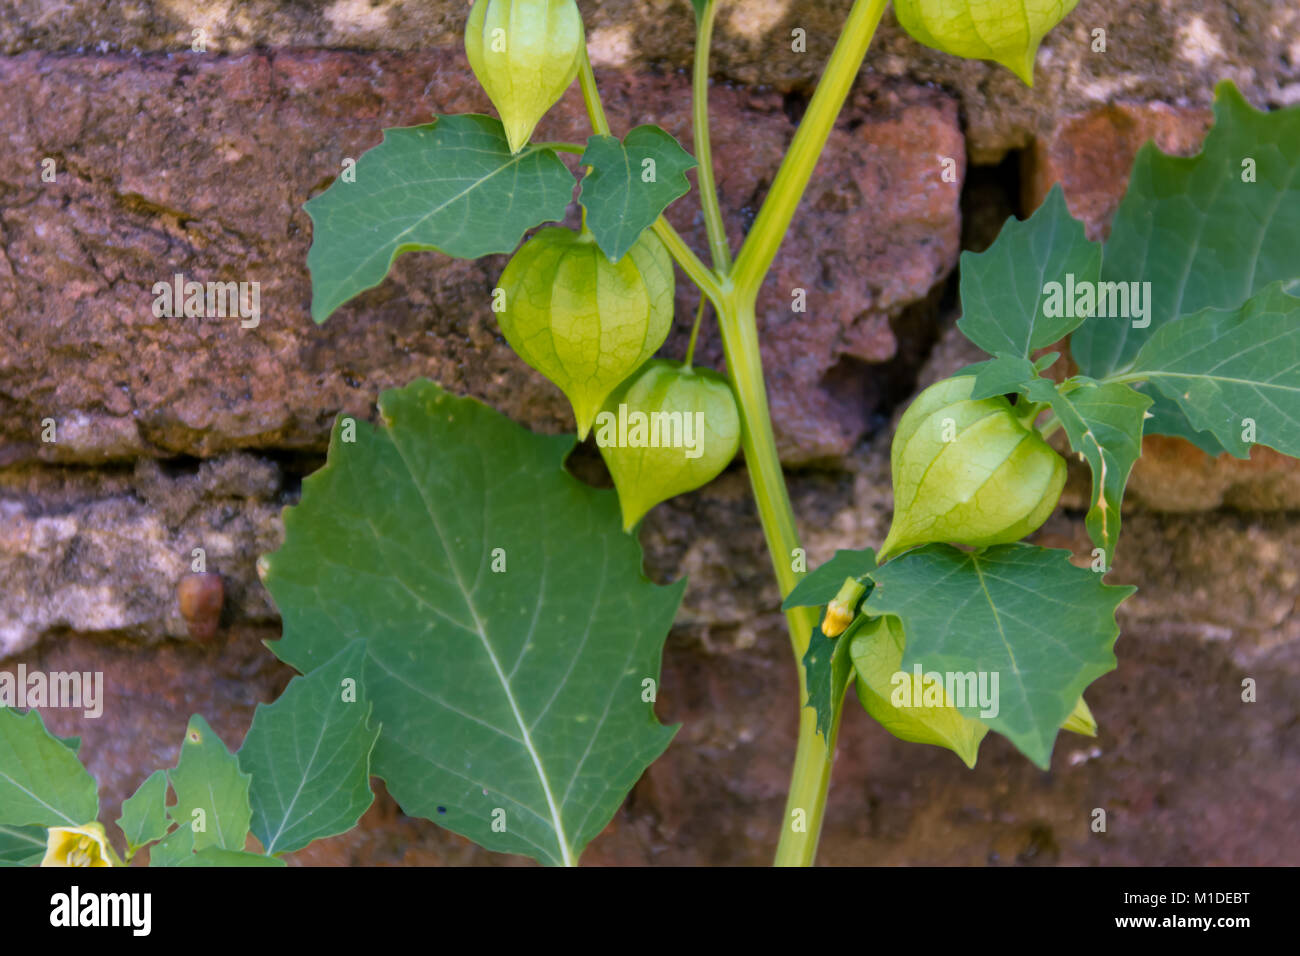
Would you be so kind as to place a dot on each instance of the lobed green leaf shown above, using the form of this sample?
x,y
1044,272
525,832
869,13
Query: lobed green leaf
x,y
452,185
41,780
620,200
512,638
1024,613
1003,287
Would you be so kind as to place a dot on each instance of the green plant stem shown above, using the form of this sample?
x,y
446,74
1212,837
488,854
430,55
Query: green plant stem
x,y
734,296
810,777
760,246
700,274
561,147
695,333
591,96
718,246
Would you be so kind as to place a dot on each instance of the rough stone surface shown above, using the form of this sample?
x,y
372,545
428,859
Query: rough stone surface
x,y
103,552
1166,50
220,155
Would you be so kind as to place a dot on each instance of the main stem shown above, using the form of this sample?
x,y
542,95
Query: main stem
x,y
810,778
733,288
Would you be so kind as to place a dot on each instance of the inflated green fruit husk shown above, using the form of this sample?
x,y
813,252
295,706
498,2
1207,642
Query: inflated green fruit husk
x,y
543,42
582,321
1005,31
645,476
877,652
994,483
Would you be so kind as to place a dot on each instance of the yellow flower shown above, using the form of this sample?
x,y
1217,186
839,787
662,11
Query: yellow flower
x,y
85,845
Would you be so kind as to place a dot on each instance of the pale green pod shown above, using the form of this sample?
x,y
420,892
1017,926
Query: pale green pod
x,y
667,430
968,472
1005,31
1081,720
877,652
582,321
525,54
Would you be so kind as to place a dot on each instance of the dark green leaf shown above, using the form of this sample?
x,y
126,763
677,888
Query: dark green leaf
x,y
1003,375
1026,614
630,184
176,849
1197,232
41,780
1168,419
309,756
144,813
512,639
22,846
1003,289
1104,424
820,586
1224,367
215,856
828,668
452,185
207,779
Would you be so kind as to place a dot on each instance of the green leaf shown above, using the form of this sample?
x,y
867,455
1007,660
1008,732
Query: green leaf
x,y
1006,306
630,184
176,849
700,6
1104,424
827,671
1045,627
510,631
452,185
144,813
1003,375
207,778
309,756
877,653
22,846
41,780
1222,367
1168,419
1200,235
820,586
1005,31
215,856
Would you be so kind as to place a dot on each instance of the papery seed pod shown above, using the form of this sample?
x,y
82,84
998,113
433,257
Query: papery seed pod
x,y
689,412
1081,720
968,472
1005,31
582,321
898,700
201,597
525,54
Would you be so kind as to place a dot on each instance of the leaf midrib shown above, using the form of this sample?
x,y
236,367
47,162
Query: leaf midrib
x,y
526,737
